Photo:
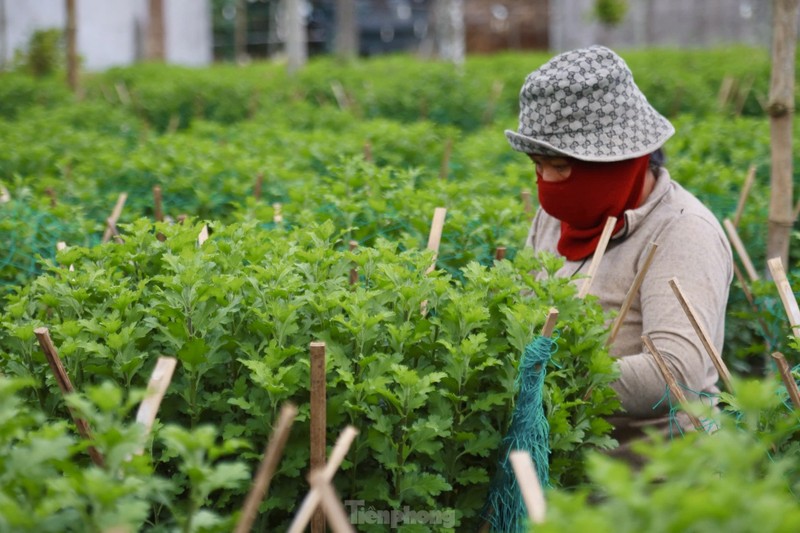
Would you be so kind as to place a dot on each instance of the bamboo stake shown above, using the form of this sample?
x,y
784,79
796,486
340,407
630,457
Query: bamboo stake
x,y
737,243
65,385
598,256
122,93
156,388
278,215
550,322
111,222
340,94
203,235
716,358
318,420
787,295
312,499
158,211
526,202
748,184
444,169
529,485
5,197
331,505
368,152
634,289
435,237
269,463
674,389
788,378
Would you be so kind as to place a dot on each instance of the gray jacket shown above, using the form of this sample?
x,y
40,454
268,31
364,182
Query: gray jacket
x,y
691,248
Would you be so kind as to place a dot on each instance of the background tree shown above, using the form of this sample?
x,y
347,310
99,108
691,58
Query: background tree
x,y
154,49
346,36
71,34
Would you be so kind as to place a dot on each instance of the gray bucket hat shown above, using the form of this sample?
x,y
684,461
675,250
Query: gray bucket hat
x,y
585,104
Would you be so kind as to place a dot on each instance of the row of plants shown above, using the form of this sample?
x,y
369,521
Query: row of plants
x,y
430,386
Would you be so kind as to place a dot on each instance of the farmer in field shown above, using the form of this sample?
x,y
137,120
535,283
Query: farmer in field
x,y
596,144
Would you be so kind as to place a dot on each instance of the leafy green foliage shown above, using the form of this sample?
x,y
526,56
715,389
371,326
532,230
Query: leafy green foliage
x,y
423,365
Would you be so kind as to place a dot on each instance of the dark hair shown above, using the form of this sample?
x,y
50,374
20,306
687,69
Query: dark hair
x,y
657,160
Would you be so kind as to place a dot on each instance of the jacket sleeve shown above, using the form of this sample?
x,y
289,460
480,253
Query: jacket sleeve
x,y
695,252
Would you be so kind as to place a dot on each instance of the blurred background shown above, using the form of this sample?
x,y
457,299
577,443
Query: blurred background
x,y
112,33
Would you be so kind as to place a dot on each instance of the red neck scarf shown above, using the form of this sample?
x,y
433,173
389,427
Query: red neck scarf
x,y
584,201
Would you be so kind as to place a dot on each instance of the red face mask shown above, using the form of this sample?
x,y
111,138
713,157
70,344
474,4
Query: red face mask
x,y
592,193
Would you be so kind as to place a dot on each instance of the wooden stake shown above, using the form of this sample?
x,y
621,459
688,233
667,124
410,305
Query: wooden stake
x,y
111,222
737,243
787,295
277,216
353,271
368,152
65,385
159,213
748,184
259,184
269,463
312,499
716,358
674,389
632,292
598,256
156,388
340,94
435,237
122,93
331,505
788,379
529,485
52,194
5,197
445,168
500,253
550,322
526,202
203,235
318,420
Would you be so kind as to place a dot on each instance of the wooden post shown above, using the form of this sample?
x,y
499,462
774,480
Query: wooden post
x,y
781,111
674,389
331,505
786,293
157,204
154,44
529,485
258,186
634,289
312,499
526,202
435,236
318,420
444,170
716,358
203,235
71,35
788,378
269,463
608,230
111,222
65,385
737,243
156,388
748,184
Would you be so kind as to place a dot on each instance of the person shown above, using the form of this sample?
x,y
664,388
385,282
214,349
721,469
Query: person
x,y
596,144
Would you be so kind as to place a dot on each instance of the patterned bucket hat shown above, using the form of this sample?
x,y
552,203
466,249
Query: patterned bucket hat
x,y
585,104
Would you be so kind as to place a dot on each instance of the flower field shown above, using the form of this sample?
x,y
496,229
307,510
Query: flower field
x,y
317,194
